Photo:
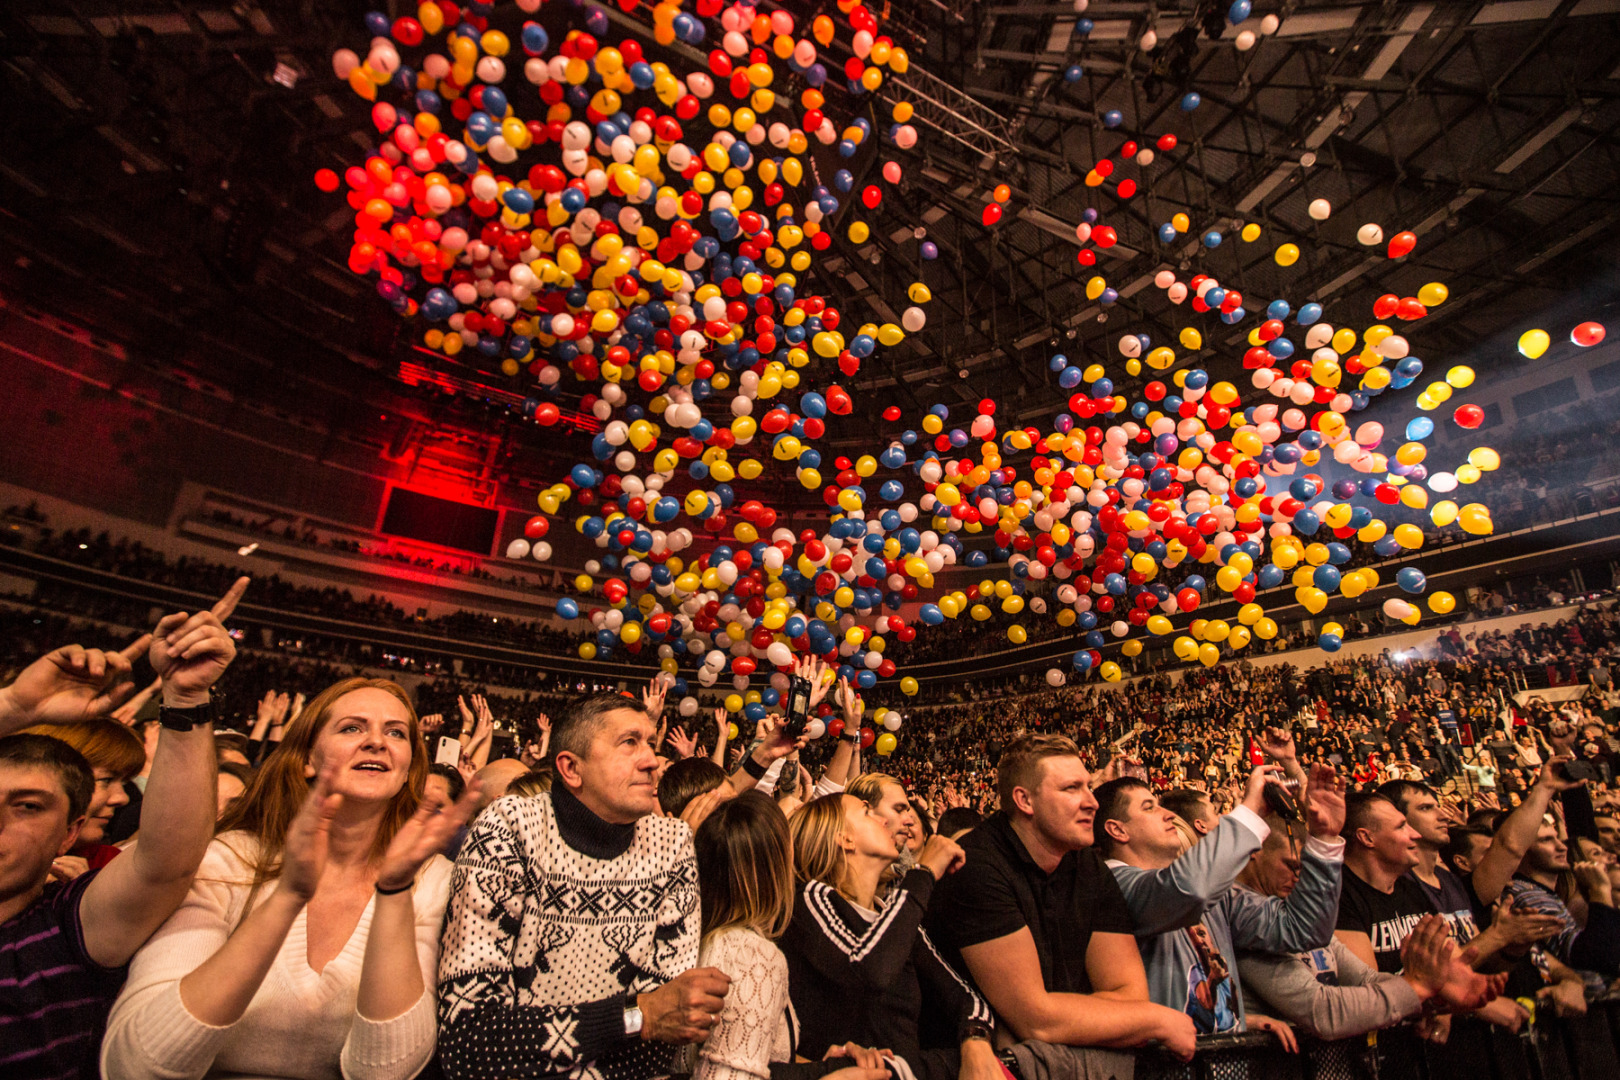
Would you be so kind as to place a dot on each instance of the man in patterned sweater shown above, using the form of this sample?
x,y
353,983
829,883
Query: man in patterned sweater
x,y
573,920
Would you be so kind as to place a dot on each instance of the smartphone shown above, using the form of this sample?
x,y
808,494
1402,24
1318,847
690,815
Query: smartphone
x,y
798,710
449,752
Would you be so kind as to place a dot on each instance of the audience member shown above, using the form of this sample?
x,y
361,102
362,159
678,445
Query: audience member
x,y
311,935
843,945
1040,923
63,944
1190,921
572,932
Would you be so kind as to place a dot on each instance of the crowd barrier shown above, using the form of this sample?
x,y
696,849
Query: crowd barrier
x,y
1577,1048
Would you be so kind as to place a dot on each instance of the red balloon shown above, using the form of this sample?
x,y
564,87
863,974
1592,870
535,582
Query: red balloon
x,y
327,180
1188,599
1385,305
1167,141
992,213
1105,236
1469,416
536,527
868,737
1127,188
871,196
892,413
1587,334
1401,244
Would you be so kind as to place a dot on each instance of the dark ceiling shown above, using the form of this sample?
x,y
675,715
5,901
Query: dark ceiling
x,y
155,186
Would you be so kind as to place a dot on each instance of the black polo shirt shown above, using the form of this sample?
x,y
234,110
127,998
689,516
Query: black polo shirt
x,y
1001,890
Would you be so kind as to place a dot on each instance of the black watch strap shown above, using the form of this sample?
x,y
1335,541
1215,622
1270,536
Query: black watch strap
x,y
177,719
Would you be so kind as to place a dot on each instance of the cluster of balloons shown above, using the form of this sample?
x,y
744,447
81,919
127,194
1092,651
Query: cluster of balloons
x,y
647,235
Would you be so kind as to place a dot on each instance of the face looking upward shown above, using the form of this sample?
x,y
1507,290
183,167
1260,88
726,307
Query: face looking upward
x,y
1148,828
616,777
369,739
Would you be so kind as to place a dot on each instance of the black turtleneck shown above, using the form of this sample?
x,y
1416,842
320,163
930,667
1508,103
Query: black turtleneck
x,y
586,833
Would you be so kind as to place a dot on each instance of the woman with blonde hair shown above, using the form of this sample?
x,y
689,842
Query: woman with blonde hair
x,y
844,946
309,943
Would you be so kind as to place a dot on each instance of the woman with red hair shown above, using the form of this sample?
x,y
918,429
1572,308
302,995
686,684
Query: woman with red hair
x,y
309,944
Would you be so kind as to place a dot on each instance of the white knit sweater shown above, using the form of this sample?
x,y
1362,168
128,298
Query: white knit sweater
x,y
753,1028
300,1025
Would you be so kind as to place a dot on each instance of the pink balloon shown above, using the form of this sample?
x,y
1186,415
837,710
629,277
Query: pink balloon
x,y
891,171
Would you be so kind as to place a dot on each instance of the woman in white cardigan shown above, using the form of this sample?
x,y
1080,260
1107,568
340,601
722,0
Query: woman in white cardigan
x,y
308,946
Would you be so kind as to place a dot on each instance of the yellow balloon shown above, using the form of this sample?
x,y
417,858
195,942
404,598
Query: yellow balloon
x,y
1109,671
1433,294
1484,459
1131,648
1287,255
1442,603
1443,513
1017,634
1209,655
1461,376
587,650
1532,343
1190,339
1265,629
1409,537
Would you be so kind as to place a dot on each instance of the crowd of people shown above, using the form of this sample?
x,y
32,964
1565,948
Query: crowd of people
x,y
370,884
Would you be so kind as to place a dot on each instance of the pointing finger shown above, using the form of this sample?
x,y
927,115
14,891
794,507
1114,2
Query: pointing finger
x,y
227,603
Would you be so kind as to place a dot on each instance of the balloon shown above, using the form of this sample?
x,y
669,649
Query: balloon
x,y
1532,343
1587,334
886,744
1319,209
1401,244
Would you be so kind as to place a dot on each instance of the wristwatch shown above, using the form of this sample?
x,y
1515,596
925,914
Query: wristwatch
x,y
632,1018
186,719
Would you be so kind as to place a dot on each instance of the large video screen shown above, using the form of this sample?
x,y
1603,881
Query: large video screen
x,y
440,521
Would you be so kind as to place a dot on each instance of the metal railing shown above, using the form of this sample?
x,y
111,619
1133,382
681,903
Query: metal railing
x,y
1547,1048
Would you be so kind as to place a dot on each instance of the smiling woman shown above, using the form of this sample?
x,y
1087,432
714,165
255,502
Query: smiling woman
x,y
326,873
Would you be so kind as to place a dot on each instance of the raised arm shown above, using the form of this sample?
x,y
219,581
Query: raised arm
x,y
70,684
135,893
1177,895
1501,861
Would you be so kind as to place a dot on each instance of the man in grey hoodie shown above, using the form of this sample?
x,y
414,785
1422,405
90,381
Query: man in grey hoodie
x,y
1190,920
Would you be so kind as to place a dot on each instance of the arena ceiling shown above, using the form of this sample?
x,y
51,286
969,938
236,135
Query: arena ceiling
x,y
156,188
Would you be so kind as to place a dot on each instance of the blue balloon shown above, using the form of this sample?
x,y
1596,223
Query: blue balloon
x,y
567,608
1073,73
932,615
1411,579
1113,118
1239,11
1190,101
1326,578
1420,427
1212,239
1330,642
1309,313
